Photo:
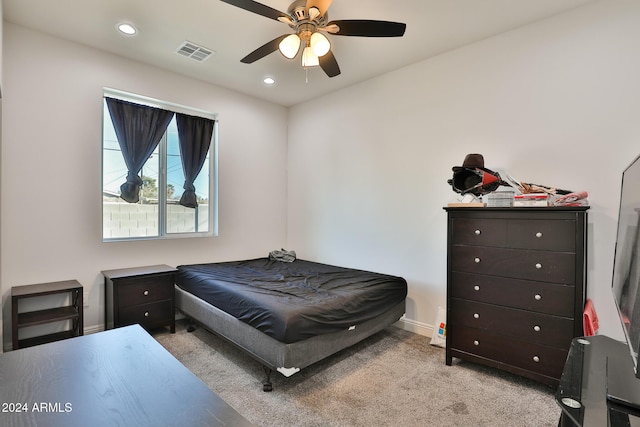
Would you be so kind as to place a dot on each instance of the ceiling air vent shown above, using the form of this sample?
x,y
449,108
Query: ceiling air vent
x,y
193,51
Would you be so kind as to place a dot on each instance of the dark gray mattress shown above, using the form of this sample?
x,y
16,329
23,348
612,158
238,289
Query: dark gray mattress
x,y
293,301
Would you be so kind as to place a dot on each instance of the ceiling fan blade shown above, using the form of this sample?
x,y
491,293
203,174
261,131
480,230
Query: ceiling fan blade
x,y
368,28
321,5
263,50
329,64
259,8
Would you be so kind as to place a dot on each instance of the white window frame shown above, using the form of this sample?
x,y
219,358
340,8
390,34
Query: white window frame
x,y
162,174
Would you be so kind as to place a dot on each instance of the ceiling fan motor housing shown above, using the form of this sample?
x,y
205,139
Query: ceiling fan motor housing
x,y
298,11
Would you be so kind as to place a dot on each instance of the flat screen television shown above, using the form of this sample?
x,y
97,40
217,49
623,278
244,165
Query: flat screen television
x,y
622,388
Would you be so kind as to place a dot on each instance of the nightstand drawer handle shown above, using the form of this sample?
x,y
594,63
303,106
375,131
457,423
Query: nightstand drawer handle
x,y
536,359
145,293
146,314
476,288
538,234
537,328
476,260
476,316
476,342
538,266
537,297
478,232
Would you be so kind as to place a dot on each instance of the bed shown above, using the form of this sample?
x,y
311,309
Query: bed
x,y
289,315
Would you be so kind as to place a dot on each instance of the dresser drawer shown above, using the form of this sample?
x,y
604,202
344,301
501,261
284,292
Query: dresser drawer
x,y
547,235
479,232
529,356
148,315
548,330
555,267
541,297
518,233
144,290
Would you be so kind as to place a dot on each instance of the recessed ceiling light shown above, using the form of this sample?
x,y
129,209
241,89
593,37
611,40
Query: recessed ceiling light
x,y
269,81
127,29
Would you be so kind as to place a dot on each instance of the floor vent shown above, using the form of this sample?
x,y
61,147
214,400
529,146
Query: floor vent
x,y
193,51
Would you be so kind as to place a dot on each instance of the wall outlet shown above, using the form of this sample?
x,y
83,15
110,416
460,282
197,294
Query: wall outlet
x,y
85,299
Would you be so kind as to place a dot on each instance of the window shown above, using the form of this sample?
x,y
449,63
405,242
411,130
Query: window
x,y
157,213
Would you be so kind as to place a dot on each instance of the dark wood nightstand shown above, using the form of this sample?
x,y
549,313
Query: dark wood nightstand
x,y
142,295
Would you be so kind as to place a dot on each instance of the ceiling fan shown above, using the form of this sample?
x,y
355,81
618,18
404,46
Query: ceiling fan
x,y
309,21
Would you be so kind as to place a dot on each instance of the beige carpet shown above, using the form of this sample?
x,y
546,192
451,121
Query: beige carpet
x,y
394,378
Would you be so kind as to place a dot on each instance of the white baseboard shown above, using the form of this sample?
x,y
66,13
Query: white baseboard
x,y
415,327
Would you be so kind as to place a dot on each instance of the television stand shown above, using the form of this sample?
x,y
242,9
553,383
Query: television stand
x,y
623,387
598,376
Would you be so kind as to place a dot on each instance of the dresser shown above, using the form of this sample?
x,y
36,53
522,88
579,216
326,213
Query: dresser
x,y
516,287
140,295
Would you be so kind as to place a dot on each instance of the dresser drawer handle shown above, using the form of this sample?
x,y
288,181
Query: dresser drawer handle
x,y
537,297
476,288
476,342
145,293
146,314
538,234
477,232
476,260
536,359
537,328
538,266
476,316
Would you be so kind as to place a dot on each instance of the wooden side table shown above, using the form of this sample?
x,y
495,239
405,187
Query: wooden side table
x,y
142,295
72,312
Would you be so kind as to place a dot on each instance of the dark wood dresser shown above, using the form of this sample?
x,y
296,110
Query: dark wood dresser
x,y
516,286
140,295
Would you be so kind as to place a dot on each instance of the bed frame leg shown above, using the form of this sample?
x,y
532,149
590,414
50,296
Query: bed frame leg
x,y
267,386
191,326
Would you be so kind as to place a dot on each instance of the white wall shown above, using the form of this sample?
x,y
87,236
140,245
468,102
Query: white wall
x,y
555,103
1,21
51,156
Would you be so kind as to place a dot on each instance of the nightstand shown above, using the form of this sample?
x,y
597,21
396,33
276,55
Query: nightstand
x,y
142,295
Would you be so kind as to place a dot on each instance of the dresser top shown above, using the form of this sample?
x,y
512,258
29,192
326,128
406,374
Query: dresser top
x,y
520,209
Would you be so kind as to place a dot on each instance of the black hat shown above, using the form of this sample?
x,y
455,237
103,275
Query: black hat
x,y
472,177
471,161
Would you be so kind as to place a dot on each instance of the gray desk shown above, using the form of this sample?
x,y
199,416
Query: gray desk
x,y
121,377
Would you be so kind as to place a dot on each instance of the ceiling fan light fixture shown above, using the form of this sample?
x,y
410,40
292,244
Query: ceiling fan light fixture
x,y
320,44
309,59
289,46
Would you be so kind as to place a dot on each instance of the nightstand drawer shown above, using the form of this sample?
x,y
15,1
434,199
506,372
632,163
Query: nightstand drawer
x,y
553,331
541,297
143,290
147,315
513,352
555,267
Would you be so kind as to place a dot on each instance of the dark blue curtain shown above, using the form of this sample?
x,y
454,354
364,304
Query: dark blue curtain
x,y
194,135
139,129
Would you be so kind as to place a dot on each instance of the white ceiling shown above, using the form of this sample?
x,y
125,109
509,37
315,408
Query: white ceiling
x,y
433,27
